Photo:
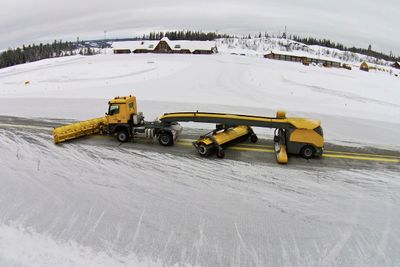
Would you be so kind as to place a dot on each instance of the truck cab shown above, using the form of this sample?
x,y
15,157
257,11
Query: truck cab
x,y
122,116
121,109
124,121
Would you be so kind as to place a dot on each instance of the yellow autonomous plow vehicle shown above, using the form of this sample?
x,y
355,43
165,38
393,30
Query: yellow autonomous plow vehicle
x,y
292,135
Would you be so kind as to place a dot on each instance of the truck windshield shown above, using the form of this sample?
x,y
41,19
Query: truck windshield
x,y
114,109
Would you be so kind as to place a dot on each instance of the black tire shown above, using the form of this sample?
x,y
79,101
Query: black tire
x,y
203,150
165,139
122,136
307,152
220,154
253,138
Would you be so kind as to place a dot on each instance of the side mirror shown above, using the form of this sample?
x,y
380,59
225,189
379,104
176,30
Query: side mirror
x,y
106,114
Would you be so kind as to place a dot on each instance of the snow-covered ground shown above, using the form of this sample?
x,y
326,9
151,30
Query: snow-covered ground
x,y
80,205
85,205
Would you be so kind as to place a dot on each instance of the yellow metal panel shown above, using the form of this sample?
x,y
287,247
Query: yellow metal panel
x,y
280,114
78,129
227,135
123,99
307,136
231,134
223,116
302,123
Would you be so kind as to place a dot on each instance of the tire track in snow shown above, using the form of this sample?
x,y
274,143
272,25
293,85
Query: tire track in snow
x,y
341,94
97,78
344,237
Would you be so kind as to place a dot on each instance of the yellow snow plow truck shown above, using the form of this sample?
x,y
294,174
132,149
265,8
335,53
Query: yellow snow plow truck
x,y
292,135
123,121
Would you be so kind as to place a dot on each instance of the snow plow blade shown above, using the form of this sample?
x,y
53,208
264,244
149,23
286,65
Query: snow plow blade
x,y
79,129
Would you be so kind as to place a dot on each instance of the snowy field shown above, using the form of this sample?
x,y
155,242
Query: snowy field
x,y
85,205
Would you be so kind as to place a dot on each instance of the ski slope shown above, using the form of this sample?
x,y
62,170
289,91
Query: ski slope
x,y
87,205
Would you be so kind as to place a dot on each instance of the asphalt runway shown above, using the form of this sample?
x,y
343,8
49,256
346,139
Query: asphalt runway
x,y
335,156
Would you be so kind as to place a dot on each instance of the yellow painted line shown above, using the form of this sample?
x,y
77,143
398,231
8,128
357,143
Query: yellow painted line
x,y
251,149
338,154
361,154
25,126
234,147
253,145
365,158
183,143
241,145
361,158
186,140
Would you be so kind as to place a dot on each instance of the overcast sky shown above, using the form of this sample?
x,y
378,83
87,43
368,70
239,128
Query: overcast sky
x,y
351,22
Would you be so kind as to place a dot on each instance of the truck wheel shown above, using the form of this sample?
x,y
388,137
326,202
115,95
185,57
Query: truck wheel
x,y
307,152
203,150
220,154
253,138
165,139
122,136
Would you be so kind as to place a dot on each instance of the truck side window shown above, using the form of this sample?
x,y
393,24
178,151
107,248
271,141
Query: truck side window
x,y
114,109
130,105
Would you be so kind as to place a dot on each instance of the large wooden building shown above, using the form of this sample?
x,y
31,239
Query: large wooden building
x,y
296,57
396,65
165,46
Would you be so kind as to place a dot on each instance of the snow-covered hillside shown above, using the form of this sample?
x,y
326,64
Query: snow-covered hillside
x,y
263,45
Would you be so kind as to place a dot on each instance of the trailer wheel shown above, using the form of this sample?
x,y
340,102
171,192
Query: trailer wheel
x,y
203,150
165,139
253,138
220,154
307,152
122,136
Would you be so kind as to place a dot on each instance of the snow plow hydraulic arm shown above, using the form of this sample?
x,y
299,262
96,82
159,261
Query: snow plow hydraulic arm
x,y
227,119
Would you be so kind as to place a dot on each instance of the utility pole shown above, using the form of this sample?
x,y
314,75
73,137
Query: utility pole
x,y
284,34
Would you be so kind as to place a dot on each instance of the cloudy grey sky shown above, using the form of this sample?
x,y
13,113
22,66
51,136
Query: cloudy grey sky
x,y
351,22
